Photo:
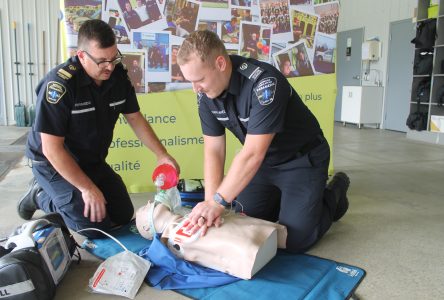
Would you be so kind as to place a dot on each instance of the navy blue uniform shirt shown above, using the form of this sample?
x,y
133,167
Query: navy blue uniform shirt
x,y
260,100
71,105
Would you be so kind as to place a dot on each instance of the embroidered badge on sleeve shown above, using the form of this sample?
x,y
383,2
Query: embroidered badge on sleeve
x,y
54,92
265,90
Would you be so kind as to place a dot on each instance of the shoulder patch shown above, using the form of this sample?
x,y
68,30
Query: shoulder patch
x,y
265,90
250,71
54,92
67,71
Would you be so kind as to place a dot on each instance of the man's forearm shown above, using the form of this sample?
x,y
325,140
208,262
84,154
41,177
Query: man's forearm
x,y
242,170
245,165
213,174
214,162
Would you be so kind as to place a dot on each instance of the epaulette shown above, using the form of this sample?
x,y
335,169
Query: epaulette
x,y
251,71
67,71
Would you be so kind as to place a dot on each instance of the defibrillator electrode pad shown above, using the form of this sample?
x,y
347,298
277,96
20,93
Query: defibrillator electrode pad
x,y
121,274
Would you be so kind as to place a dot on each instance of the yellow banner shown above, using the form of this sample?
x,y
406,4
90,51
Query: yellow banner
x,y
174,117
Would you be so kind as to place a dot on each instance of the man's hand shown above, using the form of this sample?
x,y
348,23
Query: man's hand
x,y
205,214
168,159
94,204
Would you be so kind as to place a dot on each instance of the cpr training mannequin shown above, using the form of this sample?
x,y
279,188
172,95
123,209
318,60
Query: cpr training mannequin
x,y
240,247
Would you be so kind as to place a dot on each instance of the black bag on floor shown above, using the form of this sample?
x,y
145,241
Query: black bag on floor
x,y
37,257
418,120
425,34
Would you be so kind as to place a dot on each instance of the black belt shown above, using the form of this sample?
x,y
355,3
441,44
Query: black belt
x,y
311,145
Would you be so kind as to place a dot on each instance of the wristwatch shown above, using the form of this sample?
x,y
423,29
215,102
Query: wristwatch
x,y
219,199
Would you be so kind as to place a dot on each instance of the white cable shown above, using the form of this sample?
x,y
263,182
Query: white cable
x,y
108,235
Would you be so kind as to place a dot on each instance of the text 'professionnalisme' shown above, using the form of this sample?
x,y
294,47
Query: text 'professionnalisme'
x,y
176,140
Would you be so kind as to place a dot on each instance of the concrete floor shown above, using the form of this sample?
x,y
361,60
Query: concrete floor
x,y
393,229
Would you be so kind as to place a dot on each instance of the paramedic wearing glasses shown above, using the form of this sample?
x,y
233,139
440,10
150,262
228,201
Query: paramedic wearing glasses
x,y
79,103
280,174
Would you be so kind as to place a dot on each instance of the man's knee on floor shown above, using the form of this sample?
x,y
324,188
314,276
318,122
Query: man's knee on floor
x,y
299,241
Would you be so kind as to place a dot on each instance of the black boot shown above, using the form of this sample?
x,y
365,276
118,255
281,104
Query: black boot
x,y
27,205
339,186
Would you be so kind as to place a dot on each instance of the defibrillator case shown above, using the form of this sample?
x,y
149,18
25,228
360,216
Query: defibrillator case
x,y
192,191
35,259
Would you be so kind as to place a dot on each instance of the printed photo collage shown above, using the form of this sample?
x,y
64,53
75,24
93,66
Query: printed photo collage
x,y
297,36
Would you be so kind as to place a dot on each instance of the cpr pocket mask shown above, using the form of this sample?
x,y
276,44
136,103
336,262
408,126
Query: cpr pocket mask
x,y
121,274
165,178
39,256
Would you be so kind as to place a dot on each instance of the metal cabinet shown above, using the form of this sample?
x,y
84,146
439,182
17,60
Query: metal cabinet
x,y
362,105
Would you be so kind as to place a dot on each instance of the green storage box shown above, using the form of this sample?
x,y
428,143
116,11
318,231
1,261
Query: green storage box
x,y
433,11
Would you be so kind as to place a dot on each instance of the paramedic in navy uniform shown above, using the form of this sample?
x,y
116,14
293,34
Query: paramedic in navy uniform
x,y
79,103
280,174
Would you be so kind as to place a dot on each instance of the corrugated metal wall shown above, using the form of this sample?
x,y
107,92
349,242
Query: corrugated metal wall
x,y
36,45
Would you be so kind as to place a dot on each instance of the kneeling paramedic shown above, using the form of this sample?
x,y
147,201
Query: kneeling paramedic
x,y
78,105
280,173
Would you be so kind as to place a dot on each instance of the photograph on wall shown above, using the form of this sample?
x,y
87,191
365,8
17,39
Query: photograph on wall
x,y
277,14
284,63
176,73
156,87
213,26
328,17
135,64
111,15
304,26
241,3
76,13
161,4
233,51
301,2
157,45
181,17
322,1
276,47
230,29
217,10
299,61
325,54
178,81
142,14
255,40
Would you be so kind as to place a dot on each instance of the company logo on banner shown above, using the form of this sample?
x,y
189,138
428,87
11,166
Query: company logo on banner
x,y
297,36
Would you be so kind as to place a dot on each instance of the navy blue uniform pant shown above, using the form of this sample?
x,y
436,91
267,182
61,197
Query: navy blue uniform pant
x,y
60,196
294,194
